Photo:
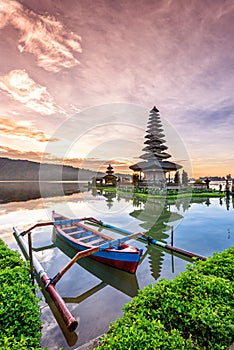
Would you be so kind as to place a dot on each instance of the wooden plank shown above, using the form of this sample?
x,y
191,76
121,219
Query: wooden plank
x,y
82,232
96,241
119,241
85,237
96,232
64,228
79,232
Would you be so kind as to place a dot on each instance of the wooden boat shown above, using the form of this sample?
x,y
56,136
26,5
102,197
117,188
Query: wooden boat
x,y
99,246
121,280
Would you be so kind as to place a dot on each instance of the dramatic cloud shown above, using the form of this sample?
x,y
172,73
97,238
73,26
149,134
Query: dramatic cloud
x,y
35,156
177,55
42,36
22,88
99,165
13,153
23,129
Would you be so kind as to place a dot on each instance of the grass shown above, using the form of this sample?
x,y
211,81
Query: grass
x,y
169,194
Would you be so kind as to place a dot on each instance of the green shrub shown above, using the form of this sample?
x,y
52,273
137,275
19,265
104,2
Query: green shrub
x,y
143,333
220,265
193,311
11,343
9,258
19,309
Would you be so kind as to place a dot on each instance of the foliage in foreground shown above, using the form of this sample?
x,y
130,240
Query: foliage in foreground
x,y
193,311
19,310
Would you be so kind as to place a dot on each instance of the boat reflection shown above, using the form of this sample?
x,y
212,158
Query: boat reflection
x,y
123,281
71,337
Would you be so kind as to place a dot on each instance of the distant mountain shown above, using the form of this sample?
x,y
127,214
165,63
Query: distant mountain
x,y
12,170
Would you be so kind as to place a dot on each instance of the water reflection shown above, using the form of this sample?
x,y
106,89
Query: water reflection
x,y
105,276
90,288
109,196
20,191
156,220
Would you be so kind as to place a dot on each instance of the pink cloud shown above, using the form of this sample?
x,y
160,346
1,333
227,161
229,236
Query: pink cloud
x,y
10,127
43,36
22,88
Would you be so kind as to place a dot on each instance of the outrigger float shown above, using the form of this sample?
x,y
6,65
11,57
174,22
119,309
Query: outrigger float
x,y
147,239
88,242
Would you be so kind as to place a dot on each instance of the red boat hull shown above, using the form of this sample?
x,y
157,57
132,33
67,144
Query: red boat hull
x,y
125,257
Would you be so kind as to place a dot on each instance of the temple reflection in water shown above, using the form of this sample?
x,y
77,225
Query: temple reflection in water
x,y
157,222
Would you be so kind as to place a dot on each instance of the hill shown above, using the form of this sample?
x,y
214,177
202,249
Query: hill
x,y
24,170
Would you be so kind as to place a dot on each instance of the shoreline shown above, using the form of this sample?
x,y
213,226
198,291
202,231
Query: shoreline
x,y
150,194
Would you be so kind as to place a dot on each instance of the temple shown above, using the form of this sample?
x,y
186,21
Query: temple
x,y
110,179
155,165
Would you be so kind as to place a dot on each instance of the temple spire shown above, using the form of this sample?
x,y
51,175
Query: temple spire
x,y
109,170
110,179
155,150
155,164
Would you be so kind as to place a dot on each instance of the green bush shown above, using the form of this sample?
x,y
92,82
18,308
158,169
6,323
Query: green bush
x,y
193,311
19,309
220,265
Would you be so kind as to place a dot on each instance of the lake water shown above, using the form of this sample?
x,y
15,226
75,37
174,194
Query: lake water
x,y
94,292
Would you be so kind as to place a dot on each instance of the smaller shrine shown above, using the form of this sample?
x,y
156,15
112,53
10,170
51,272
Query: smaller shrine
x,y
108,180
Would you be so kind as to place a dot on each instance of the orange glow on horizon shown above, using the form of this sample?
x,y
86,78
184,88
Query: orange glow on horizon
x,y
200,168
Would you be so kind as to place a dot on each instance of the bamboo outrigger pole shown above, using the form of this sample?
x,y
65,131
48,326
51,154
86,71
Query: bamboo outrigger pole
x,y
148,239
49,283
67,316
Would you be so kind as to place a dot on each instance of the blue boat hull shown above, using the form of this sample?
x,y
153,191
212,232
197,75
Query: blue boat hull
x,y
125,258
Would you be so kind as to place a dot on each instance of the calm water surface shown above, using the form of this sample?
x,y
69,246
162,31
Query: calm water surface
x,y
94,292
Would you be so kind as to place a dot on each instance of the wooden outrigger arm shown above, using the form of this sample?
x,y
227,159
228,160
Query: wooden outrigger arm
x,y
67,316
78,256
39,224
49,283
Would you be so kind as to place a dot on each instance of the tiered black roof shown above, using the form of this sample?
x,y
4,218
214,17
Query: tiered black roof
x,y
154,149
154,136
109,170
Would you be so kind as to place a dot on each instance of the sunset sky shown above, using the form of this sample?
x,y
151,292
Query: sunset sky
x,y
79,77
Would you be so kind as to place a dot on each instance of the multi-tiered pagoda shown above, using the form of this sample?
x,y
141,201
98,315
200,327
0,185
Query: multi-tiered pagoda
x,y
155,166
110,179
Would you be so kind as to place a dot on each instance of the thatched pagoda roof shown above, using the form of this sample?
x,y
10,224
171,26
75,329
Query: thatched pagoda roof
x,y
155,165
154,156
